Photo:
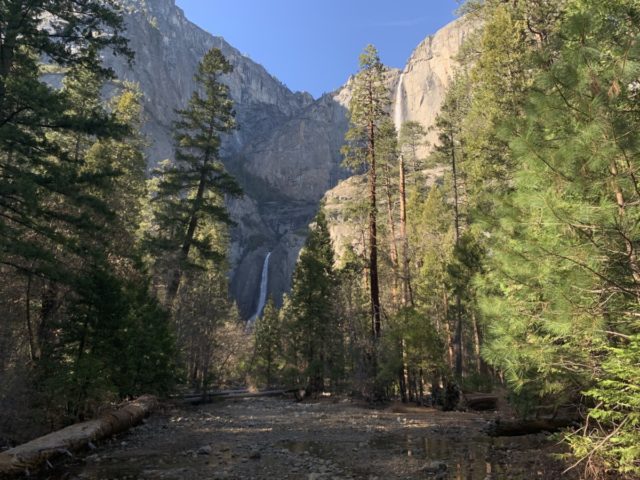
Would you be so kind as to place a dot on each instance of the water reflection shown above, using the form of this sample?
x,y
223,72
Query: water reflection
x,y
445,457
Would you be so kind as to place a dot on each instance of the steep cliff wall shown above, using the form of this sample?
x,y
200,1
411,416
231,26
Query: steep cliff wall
x,y
285,153
417,93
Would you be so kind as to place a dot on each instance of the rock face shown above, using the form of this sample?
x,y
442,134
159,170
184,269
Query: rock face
x,y
286,151
417,95
421,87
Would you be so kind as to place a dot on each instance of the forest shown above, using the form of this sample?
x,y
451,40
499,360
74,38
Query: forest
x,y
516,273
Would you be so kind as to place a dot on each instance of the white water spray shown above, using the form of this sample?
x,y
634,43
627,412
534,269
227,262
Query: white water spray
x,y
262,298
398,112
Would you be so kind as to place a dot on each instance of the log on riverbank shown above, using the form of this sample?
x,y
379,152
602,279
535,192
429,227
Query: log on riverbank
x,y
480,401
197,399
513,428
31,455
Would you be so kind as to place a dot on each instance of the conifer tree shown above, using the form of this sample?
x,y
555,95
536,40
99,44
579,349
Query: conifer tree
x,y
367,109
35,168
268,334
411,138
451,150
193,189
311,310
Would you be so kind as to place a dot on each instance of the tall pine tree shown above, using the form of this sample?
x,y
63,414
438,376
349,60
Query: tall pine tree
x,y
192,190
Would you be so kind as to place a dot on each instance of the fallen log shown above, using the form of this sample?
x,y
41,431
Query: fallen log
x,y
513,428
210,397
481,401
29,456
214,393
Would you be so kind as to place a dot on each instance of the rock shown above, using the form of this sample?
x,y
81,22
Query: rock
x,y
417,92
255,455
435,469
286,151
205,450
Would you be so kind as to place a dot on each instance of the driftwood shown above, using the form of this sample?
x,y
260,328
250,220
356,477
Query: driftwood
x,y
197,399
481,401
214,393
513,428
33,454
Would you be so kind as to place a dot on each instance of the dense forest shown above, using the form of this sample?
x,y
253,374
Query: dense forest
x,y
517,272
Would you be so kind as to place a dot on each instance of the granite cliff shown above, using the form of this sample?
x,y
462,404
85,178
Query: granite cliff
x,y
417,92
286,151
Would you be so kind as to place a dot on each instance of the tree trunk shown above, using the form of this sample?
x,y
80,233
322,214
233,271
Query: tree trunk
x,y
476,342
447,329
34,355
31,455
513,428
176,277
458,327
373,236
406,274
394,245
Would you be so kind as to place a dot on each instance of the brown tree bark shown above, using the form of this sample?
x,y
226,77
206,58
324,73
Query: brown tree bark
x,y
31,455
406,273
176,276
392,241
457,339
373,234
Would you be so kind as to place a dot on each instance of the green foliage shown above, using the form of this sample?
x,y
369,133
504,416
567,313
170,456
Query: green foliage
x,y
269,344
115,343
192,190
411,139
411,342
316,350
610,439
71,185
566,230
44,203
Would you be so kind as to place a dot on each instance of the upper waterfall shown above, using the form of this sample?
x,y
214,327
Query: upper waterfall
x,y
398,111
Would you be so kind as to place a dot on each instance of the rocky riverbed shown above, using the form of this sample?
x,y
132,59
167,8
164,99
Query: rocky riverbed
x,y
267,438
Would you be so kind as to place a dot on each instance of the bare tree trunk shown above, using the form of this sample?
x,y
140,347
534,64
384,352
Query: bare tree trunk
x,y
405,369
75,437
447,329
476,342
458,327
393,243
373,236
406,274
32,341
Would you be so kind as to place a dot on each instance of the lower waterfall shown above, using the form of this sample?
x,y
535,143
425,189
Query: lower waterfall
x,y
262,297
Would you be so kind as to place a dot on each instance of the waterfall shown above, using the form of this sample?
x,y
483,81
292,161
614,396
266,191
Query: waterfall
x,y
262,297
398,112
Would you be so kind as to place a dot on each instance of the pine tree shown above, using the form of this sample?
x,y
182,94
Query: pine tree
x,y
451,149
39,177
367,109
410,140
193,189
268,334
311,310
562,287
387,154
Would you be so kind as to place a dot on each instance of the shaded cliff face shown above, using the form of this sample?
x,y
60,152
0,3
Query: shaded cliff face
x,y
285,153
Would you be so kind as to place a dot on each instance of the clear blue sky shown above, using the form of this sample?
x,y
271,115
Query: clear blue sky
x,y
313,45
